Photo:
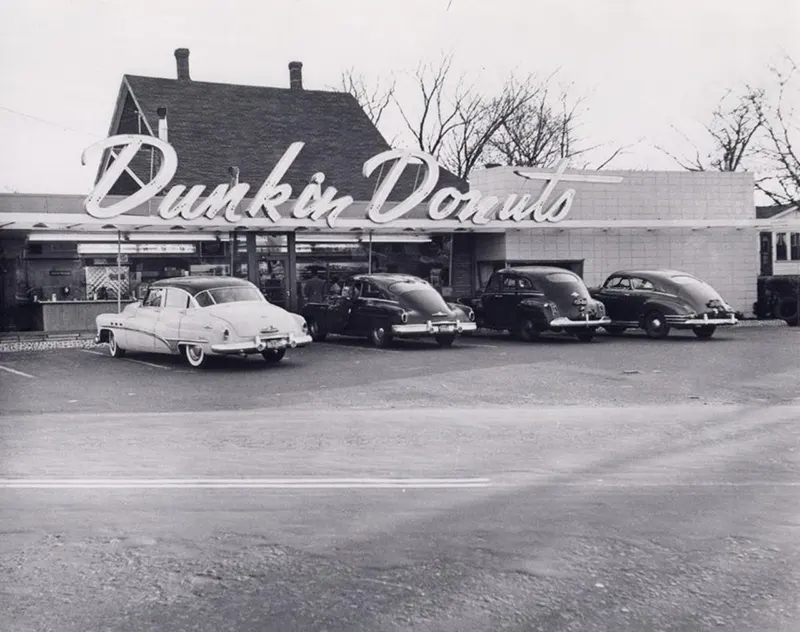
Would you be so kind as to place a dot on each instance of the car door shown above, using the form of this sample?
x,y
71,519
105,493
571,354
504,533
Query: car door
x,y
612,295
507,306
368,310
142,325
641,292
168,325
492,301
339,310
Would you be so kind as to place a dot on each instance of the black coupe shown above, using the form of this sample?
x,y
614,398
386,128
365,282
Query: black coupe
x,y
384,307
660,300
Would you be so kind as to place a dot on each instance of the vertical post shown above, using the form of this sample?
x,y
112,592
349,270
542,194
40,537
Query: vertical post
x,y
450,263
291,272
232,252
119,272
370,254
252,259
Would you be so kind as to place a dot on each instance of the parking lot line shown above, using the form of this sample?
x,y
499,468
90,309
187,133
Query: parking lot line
x,y
246,483
105,355
15,372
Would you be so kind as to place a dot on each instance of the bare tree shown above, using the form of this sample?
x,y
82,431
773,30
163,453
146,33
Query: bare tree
x,y
780,147
733,132
462,127
373,101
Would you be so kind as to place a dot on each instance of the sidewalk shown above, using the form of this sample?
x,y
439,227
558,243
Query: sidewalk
x,y
41,341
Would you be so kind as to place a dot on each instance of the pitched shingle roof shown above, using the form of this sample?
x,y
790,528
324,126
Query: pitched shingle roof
x,y
213,126
766,212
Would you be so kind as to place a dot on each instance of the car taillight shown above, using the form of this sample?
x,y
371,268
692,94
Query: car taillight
x,y
225,334
471,315
403,317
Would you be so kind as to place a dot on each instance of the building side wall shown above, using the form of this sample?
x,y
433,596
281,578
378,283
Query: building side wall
x,y
728,259
645,195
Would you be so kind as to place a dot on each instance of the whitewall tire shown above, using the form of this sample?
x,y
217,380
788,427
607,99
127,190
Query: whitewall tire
x,y
195,356
113,348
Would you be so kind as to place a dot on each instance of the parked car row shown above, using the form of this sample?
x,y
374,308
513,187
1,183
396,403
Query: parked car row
x,y
203,317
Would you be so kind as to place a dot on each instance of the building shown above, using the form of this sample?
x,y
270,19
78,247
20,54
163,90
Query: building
x,y
780,245
279,185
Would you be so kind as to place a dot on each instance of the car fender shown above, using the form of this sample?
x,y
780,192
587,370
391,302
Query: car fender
x,y
667,305
537,309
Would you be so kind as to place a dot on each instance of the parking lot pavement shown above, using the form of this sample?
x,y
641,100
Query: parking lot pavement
x,y
738,366
581,518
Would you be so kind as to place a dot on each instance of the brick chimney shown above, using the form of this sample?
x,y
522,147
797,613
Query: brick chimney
x,y
296,75
182,59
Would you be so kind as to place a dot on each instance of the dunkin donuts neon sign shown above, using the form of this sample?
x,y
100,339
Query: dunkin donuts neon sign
x,y
313,202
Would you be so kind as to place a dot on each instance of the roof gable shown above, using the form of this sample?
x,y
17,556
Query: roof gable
x,y
213,126
775,211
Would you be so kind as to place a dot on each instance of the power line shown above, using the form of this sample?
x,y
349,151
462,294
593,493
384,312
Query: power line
x,y
45,121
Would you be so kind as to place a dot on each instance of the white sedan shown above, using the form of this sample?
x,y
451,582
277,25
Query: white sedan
x,y
200,317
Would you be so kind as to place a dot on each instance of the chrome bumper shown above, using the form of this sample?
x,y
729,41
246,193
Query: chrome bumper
x,y
430,328
259,344
699,322
563,321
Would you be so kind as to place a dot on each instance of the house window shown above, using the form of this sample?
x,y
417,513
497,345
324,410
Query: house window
x,y
794,246
780,247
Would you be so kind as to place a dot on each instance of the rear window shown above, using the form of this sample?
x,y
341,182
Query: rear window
x,y
684,279
562,277
401,287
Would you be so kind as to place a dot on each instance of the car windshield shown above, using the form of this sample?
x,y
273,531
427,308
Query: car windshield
x,y
227,295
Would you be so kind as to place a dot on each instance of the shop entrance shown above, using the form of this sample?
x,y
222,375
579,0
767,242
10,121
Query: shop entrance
x,y
272,279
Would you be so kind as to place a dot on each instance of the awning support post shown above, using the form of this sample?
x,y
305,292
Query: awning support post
x,y
119,272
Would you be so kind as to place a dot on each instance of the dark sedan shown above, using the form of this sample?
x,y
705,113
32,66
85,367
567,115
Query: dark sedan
x,y
660,300
530,300
384,307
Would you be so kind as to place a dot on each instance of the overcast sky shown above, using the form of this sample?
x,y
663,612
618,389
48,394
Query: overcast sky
x,y
643,64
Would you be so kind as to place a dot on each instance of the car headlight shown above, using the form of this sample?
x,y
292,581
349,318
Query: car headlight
x,y
471,315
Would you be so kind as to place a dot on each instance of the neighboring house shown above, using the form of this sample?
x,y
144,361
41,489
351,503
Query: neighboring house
x,y
780,247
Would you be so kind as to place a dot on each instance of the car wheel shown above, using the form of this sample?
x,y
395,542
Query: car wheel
x,y
584,336
526,330
704,331
195,356
379,337
615,330
316,333
273,356
787,311
445,340
655,325
114,349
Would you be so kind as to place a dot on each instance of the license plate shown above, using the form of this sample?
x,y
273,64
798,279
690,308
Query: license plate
x,y
275,344
447,328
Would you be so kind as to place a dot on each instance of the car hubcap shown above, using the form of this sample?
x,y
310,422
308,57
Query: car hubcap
x,y
195,353
656,323
112,343
379,333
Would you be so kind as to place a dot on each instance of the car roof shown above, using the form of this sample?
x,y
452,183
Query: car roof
x,y
536,270
196,284
387,278
662,275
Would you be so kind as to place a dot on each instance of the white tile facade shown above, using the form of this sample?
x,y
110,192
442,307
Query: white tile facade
x,y
725,257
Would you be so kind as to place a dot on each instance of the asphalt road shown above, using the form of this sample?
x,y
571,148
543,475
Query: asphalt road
x,y
620,485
